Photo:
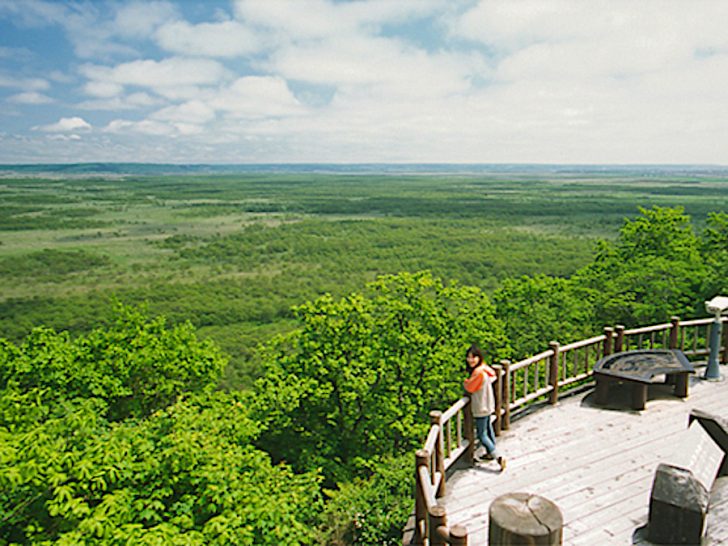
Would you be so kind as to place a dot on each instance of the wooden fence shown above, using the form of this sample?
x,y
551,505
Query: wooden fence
x,y
543,376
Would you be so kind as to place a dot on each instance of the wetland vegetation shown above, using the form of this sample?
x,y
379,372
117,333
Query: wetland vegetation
x,y
233,253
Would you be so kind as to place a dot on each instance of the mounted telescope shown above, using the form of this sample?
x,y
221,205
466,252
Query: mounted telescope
x,y
718,306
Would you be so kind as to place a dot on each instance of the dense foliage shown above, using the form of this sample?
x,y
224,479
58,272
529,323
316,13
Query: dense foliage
x,y
371,509
658,266
118,438
113,427
359,377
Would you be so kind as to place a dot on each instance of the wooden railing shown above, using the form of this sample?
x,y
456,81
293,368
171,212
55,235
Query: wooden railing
x,y
562,367
443,448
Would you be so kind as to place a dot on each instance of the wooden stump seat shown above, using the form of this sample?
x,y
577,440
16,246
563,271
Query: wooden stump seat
x,y
523,518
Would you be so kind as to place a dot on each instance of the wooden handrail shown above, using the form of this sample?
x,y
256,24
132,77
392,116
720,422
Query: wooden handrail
x,y
531,360
438,455
648,329
583,343
455,408
699,322
431,440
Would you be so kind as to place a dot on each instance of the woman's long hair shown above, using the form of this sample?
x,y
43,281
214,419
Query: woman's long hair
x,y
475,351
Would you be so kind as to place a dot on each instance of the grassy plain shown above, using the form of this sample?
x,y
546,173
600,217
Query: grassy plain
x,y
233,253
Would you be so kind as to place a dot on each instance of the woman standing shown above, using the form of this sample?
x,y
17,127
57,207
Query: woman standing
x,y
480,386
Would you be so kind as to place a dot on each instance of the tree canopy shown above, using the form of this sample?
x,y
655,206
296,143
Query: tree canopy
x,y
360,375
117,437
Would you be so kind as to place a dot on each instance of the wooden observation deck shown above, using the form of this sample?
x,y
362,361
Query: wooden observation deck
x,y
595,462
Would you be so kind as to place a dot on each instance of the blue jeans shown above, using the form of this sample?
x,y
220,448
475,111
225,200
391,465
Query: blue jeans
x,y
486,434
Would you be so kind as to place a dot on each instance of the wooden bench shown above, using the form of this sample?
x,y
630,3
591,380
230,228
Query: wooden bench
x,y
689,496
639,369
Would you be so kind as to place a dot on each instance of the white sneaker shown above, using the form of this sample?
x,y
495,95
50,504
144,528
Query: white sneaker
x,y
502,463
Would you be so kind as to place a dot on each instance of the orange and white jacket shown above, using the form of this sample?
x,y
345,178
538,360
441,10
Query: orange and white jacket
x,y
480,387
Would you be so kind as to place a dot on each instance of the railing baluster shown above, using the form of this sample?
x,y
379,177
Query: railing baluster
x,y
448,439
439,462
507,391
554,371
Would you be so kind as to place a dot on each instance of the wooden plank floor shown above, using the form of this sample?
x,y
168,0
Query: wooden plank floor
x,y
595,462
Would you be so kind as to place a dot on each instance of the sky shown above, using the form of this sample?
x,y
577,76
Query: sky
x,y
364,81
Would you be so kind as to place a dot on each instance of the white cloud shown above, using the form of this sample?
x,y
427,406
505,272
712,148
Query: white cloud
x,y
65,125
33,13
295,20
30,97
393,68
565,38
17,53
192,112
170,72
131,101
98,88
61,137
257,97
341,45
32,84
224,39
96,29
60,76
292,80
147,127
140,19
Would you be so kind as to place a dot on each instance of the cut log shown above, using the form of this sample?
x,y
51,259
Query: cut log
x,y
523,518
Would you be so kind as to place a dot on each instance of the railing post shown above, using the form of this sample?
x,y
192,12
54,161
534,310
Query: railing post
x,y
458,535
608,340
438,525
469,425
506,394
436,419
674,332
619,342
498,392
554,372
422,458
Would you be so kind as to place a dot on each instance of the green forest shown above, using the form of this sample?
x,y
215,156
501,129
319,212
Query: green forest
x,y
251,358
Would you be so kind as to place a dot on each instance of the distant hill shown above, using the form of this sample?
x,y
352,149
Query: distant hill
x,y
152,169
